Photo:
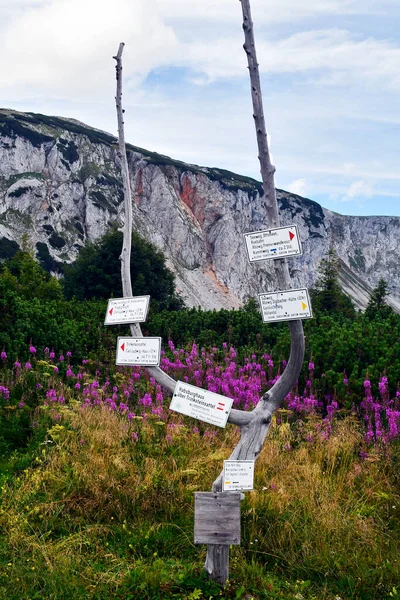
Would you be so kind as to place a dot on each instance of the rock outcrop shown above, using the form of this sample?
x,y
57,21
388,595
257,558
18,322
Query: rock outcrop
x,y
60,183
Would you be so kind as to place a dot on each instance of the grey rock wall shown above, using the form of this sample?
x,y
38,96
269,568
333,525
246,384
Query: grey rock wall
x,y
60,183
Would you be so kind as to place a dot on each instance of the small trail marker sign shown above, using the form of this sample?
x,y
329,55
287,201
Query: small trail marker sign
x,y
273,243
201,404
144,351
238,475
127,310
285,306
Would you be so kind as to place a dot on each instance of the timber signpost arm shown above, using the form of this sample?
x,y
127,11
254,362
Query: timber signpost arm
x,y
254,432
217,513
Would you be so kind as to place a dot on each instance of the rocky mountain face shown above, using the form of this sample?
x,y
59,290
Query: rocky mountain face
x,y
60,183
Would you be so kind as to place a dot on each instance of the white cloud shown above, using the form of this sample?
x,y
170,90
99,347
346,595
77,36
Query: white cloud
x,y
331,56
298,186
66,46
358,190
275,11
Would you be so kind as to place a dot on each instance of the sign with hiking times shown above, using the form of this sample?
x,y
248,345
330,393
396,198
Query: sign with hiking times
x,y
238,475
143,352
285,306
127,310
273,243
201,404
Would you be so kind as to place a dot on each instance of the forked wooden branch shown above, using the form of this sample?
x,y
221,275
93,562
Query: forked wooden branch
x,y
255,424
254,432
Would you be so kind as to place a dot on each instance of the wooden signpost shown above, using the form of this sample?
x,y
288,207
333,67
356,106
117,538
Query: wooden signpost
x,y
217,513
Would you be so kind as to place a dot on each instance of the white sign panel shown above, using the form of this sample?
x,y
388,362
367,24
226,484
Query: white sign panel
x,y
285,306
143,351
127,310
238,475
273,243
201,404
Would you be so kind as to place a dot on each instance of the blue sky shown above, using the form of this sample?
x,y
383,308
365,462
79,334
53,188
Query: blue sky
x,y
330,74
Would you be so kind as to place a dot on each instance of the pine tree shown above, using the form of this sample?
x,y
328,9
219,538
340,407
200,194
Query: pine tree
x,y
327,296
377,306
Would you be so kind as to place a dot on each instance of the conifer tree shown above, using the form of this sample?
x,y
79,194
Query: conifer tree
x,y
327,296
377,306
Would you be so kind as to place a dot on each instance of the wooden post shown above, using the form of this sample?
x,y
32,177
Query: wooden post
x,y
253,432
254,425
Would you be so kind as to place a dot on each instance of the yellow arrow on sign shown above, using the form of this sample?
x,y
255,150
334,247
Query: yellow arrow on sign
x,y
304,306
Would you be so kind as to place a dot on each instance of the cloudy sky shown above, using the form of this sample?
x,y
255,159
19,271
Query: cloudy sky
x,y
330,75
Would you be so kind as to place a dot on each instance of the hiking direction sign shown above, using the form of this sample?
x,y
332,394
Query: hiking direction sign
x,y
143,352
201,404
127,310
238,475
280,242
285,306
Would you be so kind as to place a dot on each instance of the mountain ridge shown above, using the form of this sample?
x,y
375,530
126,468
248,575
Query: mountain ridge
x,y
60,179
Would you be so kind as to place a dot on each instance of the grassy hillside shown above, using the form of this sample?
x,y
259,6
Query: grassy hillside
x,y
98,478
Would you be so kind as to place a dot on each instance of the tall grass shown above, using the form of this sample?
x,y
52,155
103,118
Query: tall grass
x,y
106,511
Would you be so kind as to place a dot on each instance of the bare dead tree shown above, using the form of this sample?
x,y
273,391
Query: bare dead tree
x,y
254,425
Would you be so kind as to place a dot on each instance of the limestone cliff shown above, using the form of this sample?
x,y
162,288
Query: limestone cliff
x,y
60,182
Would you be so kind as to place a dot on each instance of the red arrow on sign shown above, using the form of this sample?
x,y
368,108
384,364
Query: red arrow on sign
x,y
111,311
123,347
291,235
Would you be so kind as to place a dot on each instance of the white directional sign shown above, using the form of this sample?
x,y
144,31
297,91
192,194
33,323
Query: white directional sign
x,y
238,475
143,351
127,310
285,306
201,404
273,243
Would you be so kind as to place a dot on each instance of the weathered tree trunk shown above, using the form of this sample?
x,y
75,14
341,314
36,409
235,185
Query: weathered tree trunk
x,y
253,432
254,425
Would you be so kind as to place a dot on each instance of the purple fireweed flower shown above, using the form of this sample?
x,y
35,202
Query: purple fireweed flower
x,y
17,364
69,372
38,385
77,386
32,349
52,355
46,350
28,366
5,392
69,354
367,383
3,355
61,358
55,369
311,366
85,361
21,404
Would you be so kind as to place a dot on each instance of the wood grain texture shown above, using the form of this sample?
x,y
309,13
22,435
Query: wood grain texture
x,y
253,432
217,518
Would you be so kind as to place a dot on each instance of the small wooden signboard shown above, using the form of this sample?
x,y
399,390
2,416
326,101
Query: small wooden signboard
x,y
217,518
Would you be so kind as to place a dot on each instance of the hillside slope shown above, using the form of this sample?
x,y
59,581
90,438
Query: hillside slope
x,y
60,182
